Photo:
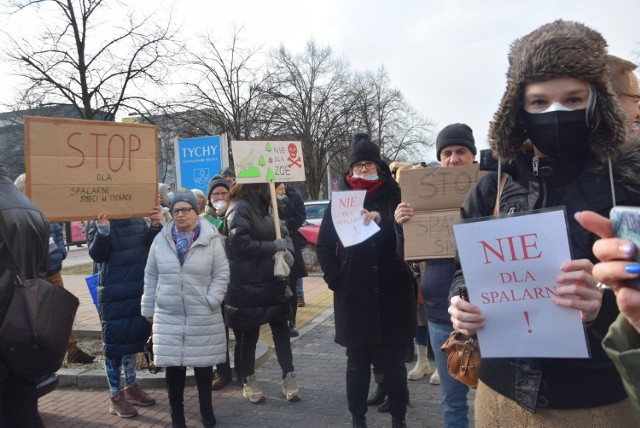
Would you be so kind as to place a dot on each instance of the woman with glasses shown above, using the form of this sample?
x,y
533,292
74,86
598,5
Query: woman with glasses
x,y
374,291
217,200
184,284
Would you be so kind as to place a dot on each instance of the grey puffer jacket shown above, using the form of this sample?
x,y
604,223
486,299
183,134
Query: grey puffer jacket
x,y
184,301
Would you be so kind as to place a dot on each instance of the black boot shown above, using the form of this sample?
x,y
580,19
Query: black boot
x,y
377,398
204,376
384,407
175,377
398,423
359,422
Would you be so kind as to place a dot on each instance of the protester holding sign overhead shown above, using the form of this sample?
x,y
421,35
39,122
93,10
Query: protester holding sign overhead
x,y
374,293
120,248
555,134
255,295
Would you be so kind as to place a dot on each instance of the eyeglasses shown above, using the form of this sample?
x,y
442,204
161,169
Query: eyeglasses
x,y
219,194
184,211
633,97
363,165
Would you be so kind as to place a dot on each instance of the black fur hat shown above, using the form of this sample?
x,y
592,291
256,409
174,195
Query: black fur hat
x,y
363,149
560,48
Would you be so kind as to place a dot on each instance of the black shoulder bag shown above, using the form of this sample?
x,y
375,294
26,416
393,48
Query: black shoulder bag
x,y
36,327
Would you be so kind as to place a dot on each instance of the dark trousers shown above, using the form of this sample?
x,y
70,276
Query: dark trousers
x,y
246,341
175,378
18,401
389,359
224,369
293,302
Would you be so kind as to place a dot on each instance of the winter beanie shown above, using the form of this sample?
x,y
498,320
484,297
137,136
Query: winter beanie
x,y
362,149
456,134
188,197
216,181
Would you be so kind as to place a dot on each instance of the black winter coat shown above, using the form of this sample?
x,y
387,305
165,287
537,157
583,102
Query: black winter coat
x,y
254,296
121,258
25,238
294,214
553,382
374,290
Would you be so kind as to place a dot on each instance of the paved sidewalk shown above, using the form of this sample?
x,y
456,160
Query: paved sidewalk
x,y
320,365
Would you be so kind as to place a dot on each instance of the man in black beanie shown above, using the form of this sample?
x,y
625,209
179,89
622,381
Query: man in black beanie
x,y
459,143
455,146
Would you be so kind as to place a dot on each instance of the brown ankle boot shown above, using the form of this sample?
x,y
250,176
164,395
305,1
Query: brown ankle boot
x,y
135,395
121,407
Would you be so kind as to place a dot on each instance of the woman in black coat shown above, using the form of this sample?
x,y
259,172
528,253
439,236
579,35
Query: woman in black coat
x,y
255,296
374,294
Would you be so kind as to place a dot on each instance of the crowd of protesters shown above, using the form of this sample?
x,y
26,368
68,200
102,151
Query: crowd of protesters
x,y
565,135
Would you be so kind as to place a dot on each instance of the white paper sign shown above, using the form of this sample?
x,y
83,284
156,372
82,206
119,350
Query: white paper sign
x,y
265,161
510,267
345,210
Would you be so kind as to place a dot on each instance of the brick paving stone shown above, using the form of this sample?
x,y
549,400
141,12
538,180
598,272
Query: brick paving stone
x,y
320,366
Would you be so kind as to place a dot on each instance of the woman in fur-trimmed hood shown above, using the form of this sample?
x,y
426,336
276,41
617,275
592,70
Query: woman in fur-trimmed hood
x,y
557,134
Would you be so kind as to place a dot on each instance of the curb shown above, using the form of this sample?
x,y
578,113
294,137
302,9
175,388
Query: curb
x,y
96,379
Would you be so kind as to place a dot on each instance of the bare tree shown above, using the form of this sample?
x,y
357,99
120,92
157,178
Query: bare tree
x,y
80,60
311,102
384,114
226,87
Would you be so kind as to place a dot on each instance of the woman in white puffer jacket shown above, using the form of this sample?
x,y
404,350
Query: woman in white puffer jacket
x,y
185,281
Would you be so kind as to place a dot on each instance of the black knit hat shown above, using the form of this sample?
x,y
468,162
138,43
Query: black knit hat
x,y
188,197
216,181
456,134
362,149
228,172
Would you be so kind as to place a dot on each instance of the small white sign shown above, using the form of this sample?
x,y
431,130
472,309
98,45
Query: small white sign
x,y
347,219
265,161
510,267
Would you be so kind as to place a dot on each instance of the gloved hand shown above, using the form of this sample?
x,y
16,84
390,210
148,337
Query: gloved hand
x,y
281,244
288,258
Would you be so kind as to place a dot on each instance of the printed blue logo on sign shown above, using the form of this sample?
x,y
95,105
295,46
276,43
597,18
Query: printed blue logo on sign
x,y
199,159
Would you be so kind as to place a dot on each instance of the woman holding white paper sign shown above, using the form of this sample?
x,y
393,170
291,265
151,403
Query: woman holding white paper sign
x,y
555,134
374,289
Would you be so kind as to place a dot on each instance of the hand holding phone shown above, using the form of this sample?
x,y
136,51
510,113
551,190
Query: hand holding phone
x,y
625,222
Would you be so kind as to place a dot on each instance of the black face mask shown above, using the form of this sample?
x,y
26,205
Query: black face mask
x,y
558,134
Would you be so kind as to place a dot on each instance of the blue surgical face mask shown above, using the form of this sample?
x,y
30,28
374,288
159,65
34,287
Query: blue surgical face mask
x,y
170,196
366,177
280,197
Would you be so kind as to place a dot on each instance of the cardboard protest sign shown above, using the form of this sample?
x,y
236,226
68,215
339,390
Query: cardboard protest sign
x,y
268,161
345,211
79,168
435,194
510,268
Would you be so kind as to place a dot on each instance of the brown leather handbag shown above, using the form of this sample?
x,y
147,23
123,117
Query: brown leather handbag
x,y
463,354
463,358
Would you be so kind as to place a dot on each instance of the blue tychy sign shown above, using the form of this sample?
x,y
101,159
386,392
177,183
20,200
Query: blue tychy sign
x,y
199,161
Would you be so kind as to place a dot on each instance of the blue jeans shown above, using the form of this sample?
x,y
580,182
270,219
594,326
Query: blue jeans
x,y
422,336
299,289
454,393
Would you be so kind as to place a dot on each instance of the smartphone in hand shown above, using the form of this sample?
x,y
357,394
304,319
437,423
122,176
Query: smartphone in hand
x,y
626,225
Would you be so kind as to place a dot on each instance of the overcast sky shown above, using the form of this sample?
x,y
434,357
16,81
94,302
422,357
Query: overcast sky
x,y
449,58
